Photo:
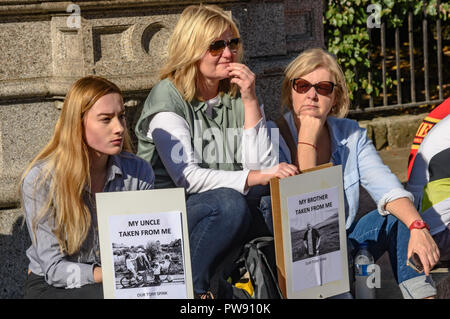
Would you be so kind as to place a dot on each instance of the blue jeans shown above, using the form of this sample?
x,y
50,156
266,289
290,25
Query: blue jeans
x,y
218,220
381,233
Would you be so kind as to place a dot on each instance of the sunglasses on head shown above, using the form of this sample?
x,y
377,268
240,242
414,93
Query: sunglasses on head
x,y
217,47
323,87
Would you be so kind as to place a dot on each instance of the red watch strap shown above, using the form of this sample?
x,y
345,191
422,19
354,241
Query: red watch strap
x,y
419,224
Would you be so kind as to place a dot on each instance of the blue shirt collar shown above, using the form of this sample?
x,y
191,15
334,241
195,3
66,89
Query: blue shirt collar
x,y
114,167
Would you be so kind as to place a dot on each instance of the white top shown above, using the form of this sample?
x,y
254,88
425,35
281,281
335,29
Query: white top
x,y
256,152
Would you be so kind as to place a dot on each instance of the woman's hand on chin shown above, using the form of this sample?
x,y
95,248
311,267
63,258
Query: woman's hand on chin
x,y
310,128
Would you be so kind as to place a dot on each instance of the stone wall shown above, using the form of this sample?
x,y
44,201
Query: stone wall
x,y
393,131
46,46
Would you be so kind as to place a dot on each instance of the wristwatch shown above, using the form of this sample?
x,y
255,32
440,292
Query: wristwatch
x,y
419,224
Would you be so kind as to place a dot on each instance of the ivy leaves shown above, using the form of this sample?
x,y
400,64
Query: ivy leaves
x,y
347,34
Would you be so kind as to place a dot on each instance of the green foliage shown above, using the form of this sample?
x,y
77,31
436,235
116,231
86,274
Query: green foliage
x,y
347,36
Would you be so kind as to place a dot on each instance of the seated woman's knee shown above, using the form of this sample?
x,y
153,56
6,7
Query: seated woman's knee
x,y
233,205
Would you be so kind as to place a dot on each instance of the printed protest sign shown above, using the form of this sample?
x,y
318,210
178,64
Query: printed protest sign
x,y
144,244
309,232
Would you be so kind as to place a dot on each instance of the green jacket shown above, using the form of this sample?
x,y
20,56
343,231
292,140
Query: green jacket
x,y
164,97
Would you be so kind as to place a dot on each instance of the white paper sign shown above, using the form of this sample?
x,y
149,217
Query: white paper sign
x,y
144,244
148,255
314,227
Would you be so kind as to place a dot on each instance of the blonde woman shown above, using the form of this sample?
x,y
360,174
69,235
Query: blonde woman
x,y
88,153
315,93
202,128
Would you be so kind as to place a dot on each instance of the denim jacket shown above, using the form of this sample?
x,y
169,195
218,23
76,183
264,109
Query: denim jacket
x,y
361,164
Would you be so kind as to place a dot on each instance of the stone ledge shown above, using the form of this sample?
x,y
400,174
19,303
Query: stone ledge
x,y
393,132
21,7
42,89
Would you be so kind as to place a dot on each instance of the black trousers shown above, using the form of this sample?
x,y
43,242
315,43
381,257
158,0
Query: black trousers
x,y
37,288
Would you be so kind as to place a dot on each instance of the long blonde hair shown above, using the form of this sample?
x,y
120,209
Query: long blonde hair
x,y
307,62
197,28
66,165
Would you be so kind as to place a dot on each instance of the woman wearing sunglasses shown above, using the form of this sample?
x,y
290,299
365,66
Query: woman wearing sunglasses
x,y
315,93
200,129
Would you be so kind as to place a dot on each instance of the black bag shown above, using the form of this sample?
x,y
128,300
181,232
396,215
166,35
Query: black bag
x,y
258,259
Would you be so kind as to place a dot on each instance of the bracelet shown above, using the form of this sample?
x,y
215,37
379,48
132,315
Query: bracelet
x,y
315,147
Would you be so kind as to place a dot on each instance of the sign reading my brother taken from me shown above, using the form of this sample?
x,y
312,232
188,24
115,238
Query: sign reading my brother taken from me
x,y
309,233
312,202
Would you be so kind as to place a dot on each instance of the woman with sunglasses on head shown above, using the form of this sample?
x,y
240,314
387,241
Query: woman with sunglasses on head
x,y
88,153
200,129
315,93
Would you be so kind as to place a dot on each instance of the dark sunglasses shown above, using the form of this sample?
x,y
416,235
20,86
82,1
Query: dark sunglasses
x,y
217,47
323,87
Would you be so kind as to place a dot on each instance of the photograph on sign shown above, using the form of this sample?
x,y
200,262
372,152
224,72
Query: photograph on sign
x,y
148,255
